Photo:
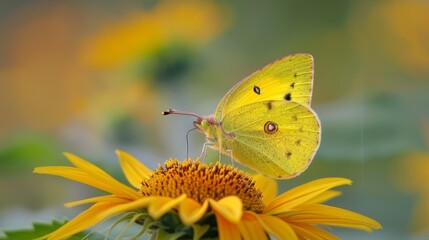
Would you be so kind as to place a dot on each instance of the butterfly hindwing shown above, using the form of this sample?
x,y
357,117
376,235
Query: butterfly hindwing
x,y
289,78
276,138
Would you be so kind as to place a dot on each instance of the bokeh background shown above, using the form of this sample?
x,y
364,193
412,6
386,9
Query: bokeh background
x,y
89,77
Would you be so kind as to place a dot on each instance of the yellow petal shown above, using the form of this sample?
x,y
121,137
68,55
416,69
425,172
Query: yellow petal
x,y
83,221
226,229
85,165
331,216
307,231
190,211
268,187
100,181
133,169
108,198
325,196
229,207
164,204
303,194
276,227
136,204
250,228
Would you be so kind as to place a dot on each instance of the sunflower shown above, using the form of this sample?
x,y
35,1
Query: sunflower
x,y
192,200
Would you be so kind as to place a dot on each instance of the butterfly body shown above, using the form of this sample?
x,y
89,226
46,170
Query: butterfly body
x,y
216,136
265,122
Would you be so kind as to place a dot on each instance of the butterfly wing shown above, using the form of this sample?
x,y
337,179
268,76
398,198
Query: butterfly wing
x,y
276,138
289,78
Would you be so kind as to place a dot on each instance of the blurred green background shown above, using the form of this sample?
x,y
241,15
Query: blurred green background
x,y
91,77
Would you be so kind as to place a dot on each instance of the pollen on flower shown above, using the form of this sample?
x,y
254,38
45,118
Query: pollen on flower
x,y
200,181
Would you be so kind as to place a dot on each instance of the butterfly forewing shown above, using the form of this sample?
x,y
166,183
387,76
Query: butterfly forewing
x,y
289,78
276,138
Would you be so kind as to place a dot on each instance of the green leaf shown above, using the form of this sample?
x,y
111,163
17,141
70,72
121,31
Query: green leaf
x,y
199,230
163,235
41,229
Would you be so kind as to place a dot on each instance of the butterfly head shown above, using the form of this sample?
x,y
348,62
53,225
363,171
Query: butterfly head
x,y
204,124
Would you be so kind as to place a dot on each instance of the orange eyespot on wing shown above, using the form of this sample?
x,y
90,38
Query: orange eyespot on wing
x,y
271,127
276,138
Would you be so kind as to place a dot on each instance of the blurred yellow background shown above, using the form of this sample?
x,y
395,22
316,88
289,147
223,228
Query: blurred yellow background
x,y
91,77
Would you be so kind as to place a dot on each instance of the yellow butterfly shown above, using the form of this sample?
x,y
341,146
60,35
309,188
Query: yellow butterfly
x,y
265,121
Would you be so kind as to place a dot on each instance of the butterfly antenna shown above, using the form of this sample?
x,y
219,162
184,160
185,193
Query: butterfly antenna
x,y
187,142
178,112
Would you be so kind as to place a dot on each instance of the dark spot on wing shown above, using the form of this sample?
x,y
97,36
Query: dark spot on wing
x,y
292,85
288,96
295,75
300,129
288,154
269,105
298,142
295,118
257,90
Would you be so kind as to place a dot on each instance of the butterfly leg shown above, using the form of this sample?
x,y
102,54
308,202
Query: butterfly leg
x,y
229,151
220,152
203,154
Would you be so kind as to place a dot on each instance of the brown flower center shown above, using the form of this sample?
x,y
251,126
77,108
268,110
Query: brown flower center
x,y
200,181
